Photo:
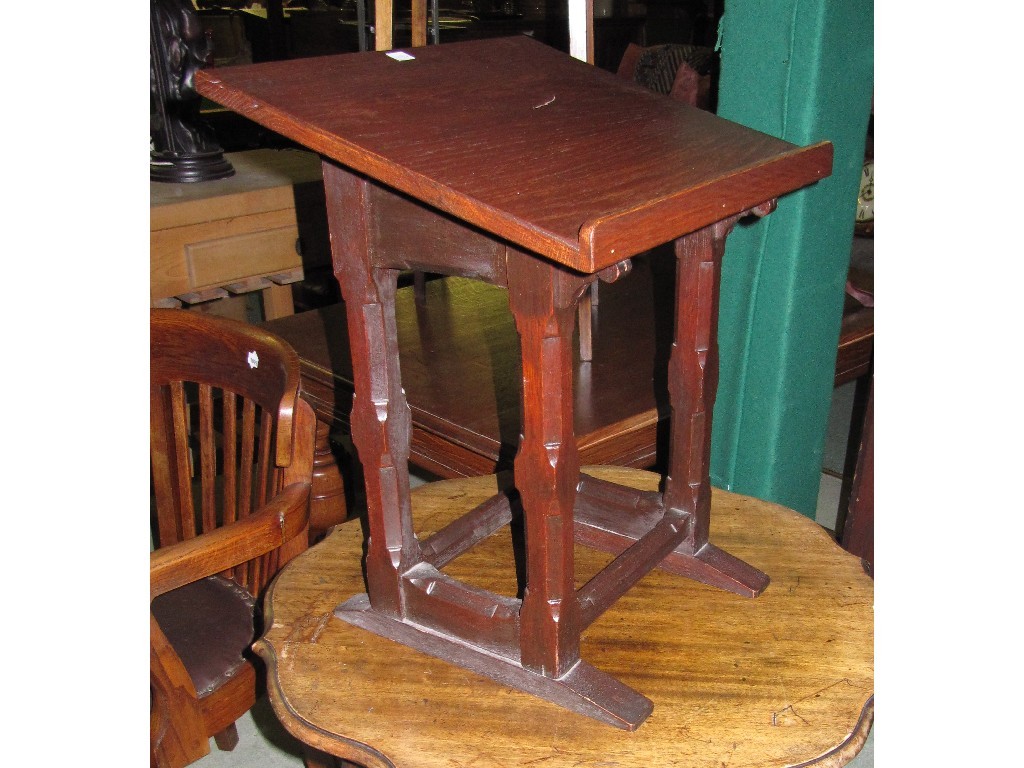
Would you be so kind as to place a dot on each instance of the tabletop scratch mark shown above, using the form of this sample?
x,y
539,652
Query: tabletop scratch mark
x,y
792,707
320,627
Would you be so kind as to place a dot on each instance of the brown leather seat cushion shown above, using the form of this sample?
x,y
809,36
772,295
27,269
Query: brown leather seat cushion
x,y
210,623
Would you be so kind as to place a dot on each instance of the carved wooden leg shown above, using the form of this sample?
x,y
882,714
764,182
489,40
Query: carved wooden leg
x,y
381,421
693,378
642,528
543,300
327,506
546,467
693,381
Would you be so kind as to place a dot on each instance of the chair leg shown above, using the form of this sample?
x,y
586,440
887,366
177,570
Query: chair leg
x,y
227,739
858,532
861,393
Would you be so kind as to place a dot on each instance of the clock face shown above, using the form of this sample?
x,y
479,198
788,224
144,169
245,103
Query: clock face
x,y
866,198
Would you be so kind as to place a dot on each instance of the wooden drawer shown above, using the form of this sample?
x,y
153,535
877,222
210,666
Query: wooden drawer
x,y
215,234
192,258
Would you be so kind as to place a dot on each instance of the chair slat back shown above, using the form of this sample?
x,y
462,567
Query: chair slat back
x,y
222,397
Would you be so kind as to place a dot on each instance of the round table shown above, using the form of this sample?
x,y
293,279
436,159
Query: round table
x,y
782,679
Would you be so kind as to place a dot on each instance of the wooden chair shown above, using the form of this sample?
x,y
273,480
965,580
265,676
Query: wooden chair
x,y
231,455
683,72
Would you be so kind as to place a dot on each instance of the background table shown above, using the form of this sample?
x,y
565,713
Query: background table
x,y
776,681
461,371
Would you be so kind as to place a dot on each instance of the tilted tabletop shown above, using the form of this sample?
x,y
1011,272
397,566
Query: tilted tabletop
x,y
553,154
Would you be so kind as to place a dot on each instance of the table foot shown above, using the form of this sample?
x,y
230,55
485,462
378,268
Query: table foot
x,y
612,518
583,689
717,568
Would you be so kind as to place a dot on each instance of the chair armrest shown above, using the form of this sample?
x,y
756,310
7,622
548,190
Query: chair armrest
x,y
279,520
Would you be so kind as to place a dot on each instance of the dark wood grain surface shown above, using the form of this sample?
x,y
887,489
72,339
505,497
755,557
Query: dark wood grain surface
x,y
559,157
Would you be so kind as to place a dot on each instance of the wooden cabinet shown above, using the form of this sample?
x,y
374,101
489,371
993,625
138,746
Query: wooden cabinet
x,y
235,235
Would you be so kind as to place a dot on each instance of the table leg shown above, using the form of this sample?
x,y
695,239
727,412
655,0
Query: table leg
x,y
671,530
693,381
381,421
278,302
547,464
543,300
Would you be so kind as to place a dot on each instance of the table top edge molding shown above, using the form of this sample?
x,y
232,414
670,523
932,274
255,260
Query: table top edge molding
x,y
301,728
409,182
607,239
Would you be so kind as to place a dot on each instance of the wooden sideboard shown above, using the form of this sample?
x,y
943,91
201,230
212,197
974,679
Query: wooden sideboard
x,y
212,239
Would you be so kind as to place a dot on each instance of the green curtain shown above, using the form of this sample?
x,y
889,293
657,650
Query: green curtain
x,y
801,70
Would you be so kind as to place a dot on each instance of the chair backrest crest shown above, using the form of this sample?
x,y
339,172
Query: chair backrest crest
x,y
223,396
259,366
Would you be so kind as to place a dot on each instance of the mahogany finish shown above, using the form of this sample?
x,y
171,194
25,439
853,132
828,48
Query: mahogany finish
x,y
552,154
231,452
783,680
547,175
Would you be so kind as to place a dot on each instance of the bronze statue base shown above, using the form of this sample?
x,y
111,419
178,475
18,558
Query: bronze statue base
x,y
176,169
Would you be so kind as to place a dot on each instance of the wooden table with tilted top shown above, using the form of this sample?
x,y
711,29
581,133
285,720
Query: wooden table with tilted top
x,y
509,162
